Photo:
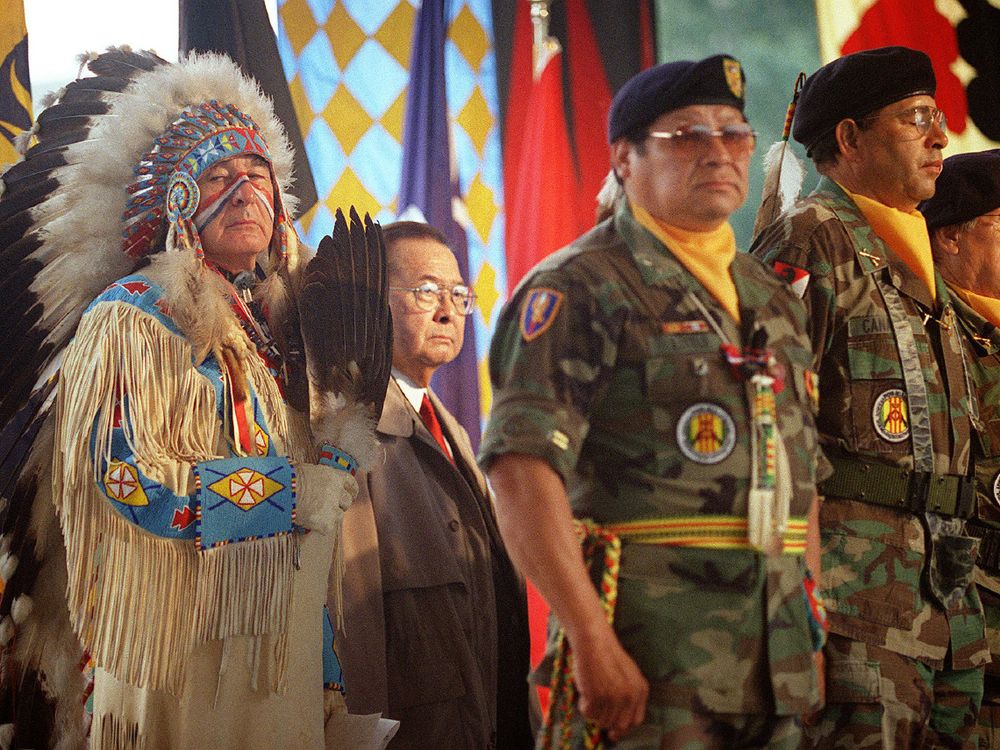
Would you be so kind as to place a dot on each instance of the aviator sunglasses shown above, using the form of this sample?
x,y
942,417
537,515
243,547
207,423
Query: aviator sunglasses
x,y
738,138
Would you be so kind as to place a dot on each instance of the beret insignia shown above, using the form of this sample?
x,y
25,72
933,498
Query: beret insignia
x,y
734,76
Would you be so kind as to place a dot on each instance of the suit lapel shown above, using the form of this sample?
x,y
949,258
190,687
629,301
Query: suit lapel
x,y
397,417
465,463
465,459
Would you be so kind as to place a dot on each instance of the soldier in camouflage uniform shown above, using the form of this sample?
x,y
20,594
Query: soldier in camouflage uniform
x,y
669,412
906,646
963,218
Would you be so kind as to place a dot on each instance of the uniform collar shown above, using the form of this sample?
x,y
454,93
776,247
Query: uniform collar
x,y
871,251
658,267
984,333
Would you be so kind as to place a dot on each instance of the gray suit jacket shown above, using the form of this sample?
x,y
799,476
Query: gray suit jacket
x,y
435,621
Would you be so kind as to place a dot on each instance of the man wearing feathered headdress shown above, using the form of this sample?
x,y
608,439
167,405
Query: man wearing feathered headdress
x,y
199,506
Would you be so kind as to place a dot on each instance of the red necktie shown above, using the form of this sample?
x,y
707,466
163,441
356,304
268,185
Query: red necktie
x,y
430,421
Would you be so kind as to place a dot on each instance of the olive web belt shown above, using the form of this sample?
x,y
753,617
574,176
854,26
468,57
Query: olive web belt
x,y
901,488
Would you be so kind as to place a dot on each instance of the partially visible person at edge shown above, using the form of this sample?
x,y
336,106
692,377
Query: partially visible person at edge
x,y
963,219
435,618
652,390
906,649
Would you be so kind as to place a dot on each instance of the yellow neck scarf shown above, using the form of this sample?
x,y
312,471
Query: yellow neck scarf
x,y
905,232
988,307
707,255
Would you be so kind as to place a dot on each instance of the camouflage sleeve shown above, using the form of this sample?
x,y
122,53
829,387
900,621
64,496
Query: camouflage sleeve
x,y
807,380
549,363
803,260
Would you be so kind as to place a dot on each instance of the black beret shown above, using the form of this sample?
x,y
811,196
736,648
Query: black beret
x,y
968,186
856,85
644,97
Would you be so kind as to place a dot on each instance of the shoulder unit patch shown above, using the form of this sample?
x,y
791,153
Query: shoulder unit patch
x,y
540,309
796,278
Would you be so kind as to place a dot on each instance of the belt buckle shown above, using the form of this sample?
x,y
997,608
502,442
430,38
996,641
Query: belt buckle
x,y
917,497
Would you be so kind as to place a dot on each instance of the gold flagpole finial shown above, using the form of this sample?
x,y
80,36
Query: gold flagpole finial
x,y
544,46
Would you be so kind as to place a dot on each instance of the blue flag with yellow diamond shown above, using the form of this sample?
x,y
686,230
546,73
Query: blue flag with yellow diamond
x,y
15,90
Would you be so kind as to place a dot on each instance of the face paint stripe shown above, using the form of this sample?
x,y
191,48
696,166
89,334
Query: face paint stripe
x,y
213,205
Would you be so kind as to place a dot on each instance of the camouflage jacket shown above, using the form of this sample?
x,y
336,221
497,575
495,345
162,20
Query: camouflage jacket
x,y
602,363
877,560
982,340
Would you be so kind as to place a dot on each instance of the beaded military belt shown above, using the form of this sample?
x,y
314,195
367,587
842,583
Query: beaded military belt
x,y
901,488
989,547
602,545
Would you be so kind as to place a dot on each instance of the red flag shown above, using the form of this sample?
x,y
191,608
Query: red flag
x,y
551,199
590,97
517,101
538,617
916,24
542,199
541,217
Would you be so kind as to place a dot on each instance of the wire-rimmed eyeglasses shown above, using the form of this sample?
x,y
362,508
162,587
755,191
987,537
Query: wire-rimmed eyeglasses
x,y
738,138
429,295
919,118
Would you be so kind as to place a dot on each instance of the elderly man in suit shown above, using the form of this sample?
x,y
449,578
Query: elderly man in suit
x,y
435,621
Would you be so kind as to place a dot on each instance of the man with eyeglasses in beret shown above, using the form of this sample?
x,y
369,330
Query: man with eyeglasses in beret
x,y
435,618
963,219
906,648
652,400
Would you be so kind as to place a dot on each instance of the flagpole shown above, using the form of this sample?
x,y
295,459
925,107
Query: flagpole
x,y
544,46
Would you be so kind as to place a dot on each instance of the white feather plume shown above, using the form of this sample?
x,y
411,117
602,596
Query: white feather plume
x,y
7,631
781,156
783,176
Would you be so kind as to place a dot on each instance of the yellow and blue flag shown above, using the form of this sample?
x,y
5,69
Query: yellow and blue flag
x,y
15,90
349,66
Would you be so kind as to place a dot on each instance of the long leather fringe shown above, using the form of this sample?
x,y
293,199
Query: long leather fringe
x,y
113,733
140,602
